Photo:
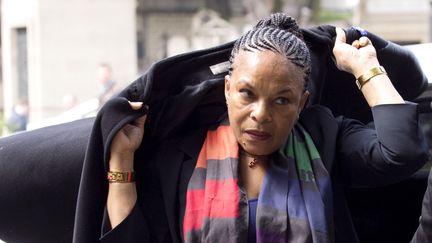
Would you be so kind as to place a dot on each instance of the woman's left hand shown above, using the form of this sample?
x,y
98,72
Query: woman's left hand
x,y
355,58
358,58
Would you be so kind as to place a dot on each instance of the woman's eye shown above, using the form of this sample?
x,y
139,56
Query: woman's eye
x,y
246,93
282,101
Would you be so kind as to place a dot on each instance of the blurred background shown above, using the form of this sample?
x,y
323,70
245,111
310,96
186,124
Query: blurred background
x,y
62,59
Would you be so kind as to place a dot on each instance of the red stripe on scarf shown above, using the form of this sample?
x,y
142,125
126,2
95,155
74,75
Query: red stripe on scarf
x,y
219,200
218,146
194,208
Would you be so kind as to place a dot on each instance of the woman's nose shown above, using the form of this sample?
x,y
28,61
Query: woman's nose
x,y
261,113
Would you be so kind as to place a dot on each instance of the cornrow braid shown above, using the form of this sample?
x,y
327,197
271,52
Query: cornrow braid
x,y
278,33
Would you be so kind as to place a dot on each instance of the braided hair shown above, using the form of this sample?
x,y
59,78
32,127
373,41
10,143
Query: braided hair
x,y
278,33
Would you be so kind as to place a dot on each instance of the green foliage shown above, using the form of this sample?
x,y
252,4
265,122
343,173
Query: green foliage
x,y
329,16
315,6
1,123
277,6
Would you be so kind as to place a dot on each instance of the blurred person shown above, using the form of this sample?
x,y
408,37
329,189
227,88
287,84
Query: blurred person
x,y
69,101
106,85
17,121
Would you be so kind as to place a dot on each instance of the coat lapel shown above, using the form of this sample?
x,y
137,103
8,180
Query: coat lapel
x,y
322,127
175,167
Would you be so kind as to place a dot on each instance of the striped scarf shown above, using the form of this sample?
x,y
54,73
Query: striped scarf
x,y
295,201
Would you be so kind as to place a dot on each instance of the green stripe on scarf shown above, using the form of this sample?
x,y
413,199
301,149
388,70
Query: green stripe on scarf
x,y
304,150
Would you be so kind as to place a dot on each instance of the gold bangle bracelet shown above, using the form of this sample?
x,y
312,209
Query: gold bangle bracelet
x,y
364,78
120,177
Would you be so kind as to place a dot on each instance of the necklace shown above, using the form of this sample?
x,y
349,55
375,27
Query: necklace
x,y
254,158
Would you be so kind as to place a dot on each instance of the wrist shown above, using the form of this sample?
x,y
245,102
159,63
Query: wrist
x,y
121,163
370,74
364,68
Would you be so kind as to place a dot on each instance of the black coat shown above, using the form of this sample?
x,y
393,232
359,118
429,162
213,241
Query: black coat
x,y
183,94
56,154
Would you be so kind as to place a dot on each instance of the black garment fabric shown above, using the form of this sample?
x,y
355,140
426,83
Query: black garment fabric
x,y
40,172
334,89
59,153
183,93
424,231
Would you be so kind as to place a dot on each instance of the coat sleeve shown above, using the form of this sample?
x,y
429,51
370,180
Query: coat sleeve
x,y
132,229
147,220
392,151
424,231
92,193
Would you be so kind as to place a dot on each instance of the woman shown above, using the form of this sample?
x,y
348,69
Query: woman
x,y
271,171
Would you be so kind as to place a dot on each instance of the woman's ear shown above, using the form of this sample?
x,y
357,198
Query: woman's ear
x,y
227,86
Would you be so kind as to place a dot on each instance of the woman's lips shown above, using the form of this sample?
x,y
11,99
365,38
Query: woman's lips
x,y
258,135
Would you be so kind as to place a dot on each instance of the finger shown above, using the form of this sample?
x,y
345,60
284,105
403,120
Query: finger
x,y
135,105
140,121
127,128
356,44
340,36
364,41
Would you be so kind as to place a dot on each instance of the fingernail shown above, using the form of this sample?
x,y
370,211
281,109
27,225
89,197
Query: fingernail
x,y
135,102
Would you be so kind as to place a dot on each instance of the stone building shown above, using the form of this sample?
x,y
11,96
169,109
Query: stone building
x,y
165,27
52,48
55,46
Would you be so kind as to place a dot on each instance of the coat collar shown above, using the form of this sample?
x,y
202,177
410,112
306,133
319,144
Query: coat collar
x,y
175,168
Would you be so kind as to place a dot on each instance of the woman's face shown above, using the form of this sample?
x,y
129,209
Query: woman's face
x,y
265,95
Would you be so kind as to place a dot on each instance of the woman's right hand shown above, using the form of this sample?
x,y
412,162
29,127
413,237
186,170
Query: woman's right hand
x,y
357,57
126,141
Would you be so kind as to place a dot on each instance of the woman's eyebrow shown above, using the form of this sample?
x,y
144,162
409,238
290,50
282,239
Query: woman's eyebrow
x,y
245,82
286,89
